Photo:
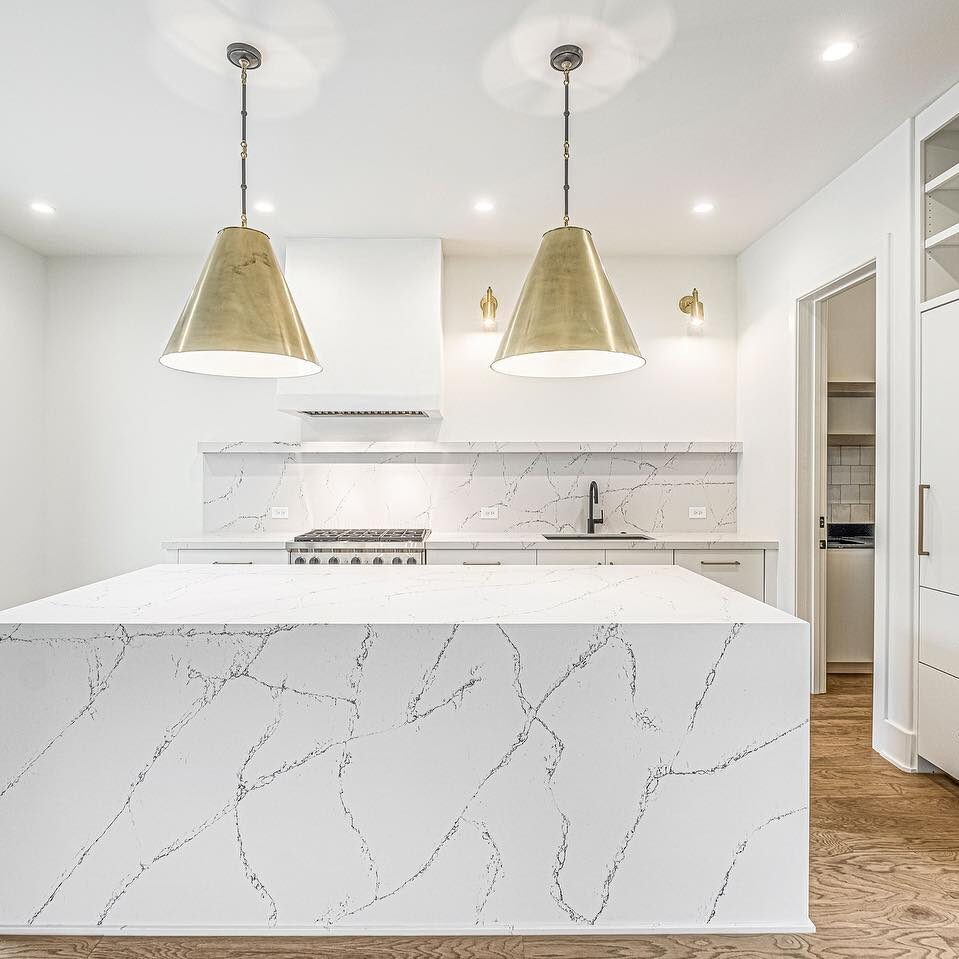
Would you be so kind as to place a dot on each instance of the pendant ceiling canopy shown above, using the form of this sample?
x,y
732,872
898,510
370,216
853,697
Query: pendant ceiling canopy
x,y
568,320
240,319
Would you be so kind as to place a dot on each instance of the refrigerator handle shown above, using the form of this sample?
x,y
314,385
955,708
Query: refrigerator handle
x,y
922,519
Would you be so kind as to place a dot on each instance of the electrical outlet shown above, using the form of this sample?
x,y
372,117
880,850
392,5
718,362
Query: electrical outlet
x,y
280,512
697,512
489,512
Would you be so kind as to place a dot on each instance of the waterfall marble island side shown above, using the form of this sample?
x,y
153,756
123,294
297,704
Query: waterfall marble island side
x,y
416,750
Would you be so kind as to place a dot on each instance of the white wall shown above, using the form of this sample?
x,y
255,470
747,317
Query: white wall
x,y
864,214
22,308
123,471
686,391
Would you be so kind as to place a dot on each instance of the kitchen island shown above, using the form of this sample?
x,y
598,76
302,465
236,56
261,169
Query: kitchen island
x,y
205,749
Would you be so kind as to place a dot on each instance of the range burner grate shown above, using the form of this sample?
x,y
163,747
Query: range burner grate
x,y
362,536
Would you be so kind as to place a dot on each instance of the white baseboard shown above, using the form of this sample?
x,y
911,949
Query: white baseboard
x,y
898,745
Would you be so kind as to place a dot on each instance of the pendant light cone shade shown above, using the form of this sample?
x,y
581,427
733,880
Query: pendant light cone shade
x,y
240,319
568,321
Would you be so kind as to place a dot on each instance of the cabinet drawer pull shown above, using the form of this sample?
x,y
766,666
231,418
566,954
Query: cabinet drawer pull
x,y
482,562
922,519
720,562
232,562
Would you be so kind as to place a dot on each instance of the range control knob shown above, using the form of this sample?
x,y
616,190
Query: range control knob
x,y
355,561
299,561
397,561
333,561
314,560
411,561
377,560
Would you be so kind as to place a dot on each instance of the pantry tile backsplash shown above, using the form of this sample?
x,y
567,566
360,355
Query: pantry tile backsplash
x,y
851,484
530,492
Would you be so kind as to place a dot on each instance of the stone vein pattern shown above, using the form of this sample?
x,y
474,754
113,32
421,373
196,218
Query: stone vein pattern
x,y
404,778
533,491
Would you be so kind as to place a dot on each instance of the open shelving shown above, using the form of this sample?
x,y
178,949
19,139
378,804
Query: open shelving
x,y
940,178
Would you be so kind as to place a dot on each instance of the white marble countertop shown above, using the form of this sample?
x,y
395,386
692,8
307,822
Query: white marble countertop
x,y
279,594
471,540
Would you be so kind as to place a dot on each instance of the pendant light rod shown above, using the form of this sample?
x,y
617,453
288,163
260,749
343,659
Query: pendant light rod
x,y
246,57
565,58
566,148
243,150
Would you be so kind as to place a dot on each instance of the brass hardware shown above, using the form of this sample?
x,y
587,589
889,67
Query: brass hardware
x,y
692,306
922,519
240,319
567,321
488,306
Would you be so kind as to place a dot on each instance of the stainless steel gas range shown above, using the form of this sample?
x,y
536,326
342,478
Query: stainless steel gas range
x,y
355,547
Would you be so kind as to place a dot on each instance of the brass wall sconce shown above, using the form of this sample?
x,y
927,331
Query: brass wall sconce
x,y
692,306
488,306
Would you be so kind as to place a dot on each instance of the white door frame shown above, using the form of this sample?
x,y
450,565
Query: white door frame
x,y
811,460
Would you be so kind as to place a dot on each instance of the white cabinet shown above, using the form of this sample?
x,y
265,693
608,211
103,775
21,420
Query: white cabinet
x,y
233,557
939,630
740,569
939,451
639,557
938,539
481,557
570,557
939,718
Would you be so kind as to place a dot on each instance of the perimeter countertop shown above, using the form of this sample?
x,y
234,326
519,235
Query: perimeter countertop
x,y
471,540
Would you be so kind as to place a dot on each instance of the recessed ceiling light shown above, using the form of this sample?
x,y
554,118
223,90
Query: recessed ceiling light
x,y
838,51
704,206
41,206
264,206
484,206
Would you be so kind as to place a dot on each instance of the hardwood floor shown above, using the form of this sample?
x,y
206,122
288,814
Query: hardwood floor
x,y
884,879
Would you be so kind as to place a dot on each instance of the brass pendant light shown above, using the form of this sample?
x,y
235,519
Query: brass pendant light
x,y
240,319
567,321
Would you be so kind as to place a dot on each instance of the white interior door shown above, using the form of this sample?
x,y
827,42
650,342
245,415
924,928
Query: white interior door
x,y
939,451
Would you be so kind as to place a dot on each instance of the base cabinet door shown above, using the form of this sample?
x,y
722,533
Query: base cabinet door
x,y
570,557
639,557
481,557
234,557
741,569
939,719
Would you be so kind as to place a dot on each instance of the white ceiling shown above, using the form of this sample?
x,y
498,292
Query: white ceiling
x,y
388,118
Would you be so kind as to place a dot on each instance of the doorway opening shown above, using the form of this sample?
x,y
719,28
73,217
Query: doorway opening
x,y
836,477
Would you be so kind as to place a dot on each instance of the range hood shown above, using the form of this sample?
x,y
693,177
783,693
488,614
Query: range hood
x,y
372,309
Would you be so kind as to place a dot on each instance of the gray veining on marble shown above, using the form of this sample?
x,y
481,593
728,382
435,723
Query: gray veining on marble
x,y
533,492
421,778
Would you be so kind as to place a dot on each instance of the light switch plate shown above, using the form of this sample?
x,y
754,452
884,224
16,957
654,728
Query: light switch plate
x,y
697,512
489,512
280,512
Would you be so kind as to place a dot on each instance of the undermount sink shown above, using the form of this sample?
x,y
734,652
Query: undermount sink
x,y
596,536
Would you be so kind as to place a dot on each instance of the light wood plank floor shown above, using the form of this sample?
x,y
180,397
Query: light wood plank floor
x,y
884,878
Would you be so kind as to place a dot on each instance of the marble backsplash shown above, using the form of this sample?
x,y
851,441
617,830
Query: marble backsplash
x,y
532,491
